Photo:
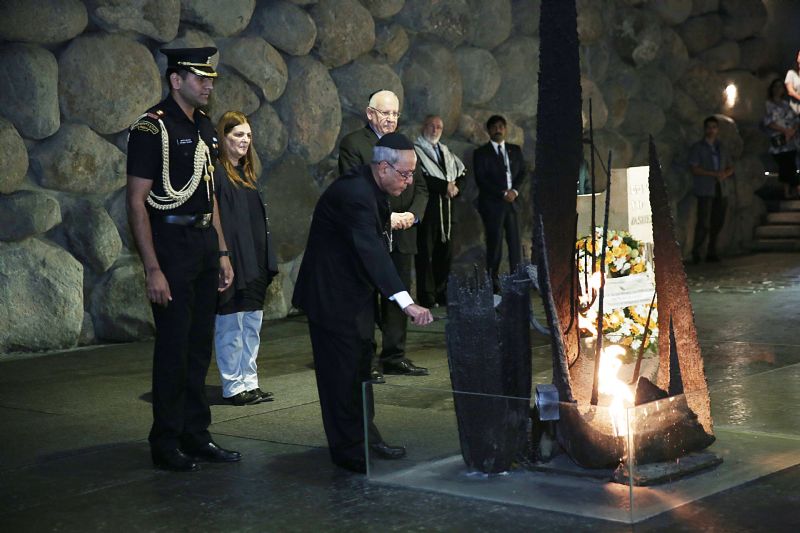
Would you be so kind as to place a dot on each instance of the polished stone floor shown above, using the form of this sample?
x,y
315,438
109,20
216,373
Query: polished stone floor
x,y
74,457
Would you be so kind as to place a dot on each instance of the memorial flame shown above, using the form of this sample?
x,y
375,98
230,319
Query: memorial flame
x,y
585,412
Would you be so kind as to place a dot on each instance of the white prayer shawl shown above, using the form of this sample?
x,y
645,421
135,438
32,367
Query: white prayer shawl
x,y
454,168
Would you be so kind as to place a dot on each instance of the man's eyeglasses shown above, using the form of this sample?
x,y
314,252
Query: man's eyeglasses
x,y
393,114
408,175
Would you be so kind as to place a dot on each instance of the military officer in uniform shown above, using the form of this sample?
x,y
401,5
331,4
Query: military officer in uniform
x,y
173,215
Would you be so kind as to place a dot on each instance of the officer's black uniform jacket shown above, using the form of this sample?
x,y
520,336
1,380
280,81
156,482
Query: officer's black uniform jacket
x,y
145,157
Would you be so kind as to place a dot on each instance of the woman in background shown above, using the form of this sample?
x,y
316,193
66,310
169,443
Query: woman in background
x,y
781,124
792,84
240,309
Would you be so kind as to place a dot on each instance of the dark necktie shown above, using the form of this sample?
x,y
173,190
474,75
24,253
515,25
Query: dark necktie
x,y
500,155
439,158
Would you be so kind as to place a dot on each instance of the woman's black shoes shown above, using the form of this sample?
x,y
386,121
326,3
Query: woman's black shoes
x,y
251,397
244,398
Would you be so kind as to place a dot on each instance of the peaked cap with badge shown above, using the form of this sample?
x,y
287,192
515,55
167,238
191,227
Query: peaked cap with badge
x,y
195,60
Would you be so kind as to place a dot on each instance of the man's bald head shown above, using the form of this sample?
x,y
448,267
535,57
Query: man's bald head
x,y
383,112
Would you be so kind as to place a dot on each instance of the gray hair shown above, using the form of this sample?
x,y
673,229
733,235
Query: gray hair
x,y
377,95
384,153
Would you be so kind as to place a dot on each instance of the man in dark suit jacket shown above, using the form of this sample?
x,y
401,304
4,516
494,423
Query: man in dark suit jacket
x,y
444,174
407,211
499,173
345,263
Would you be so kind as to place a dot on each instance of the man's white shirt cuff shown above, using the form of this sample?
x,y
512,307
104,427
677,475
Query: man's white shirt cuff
x,y
402,298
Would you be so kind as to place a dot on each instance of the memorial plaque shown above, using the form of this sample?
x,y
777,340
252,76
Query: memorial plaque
x,y
636,289
630,205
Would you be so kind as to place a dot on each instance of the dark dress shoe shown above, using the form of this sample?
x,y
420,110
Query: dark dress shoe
x,y
404,368
384,451
245,398
376,377
262,396
173,460
211,453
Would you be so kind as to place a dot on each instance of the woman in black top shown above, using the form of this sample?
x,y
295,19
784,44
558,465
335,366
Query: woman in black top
x,y
244,224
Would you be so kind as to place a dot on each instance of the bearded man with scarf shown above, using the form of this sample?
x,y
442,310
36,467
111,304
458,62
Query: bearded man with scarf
x,y
444,175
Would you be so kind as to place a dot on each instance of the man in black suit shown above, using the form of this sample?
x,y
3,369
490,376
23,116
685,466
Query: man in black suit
x,y
345,263
407,211
499,173
444,174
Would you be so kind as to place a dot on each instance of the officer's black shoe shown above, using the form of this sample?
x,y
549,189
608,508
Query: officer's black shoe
x,y
404,368
376,376
357,465
173,460
384,451
211,453
262,396
245,398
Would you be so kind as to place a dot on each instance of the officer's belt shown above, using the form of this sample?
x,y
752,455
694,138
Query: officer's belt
x,y
202,220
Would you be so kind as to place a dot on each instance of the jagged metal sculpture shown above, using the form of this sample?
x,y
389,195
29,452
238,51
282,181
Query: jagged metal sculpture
x,y
683,426
559,154
489,355
489,347
679,352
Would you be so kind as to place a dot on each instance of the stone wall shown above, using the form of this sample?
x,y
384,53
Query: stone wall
x,y
75,73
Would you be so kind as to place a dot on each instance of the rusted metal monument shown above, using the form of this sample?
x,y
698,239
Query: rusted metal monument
x,y
489,348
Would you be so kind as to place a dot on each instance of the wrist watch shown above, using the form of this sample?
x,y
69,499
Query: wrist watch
x,y
224,253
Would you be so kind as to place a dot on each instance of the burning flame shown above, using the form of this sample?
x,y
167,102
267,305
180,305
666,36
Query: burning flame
x,y
610,384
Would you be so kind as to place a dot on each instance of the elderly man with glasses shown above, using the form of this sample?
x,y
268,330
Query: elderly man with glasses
x,y
383,113
345,264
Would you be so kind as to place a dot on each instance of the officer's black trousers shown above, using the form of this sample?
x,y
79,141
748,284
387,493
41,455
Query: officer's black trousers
x,y
184,335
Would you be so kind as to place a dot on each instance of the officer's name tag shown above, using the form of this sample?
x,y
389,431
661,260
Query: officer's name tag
x,y
185,141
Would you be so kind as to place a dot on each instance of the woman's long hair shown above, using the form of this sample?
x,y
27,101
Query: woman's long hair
x,y
777,83
249,162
